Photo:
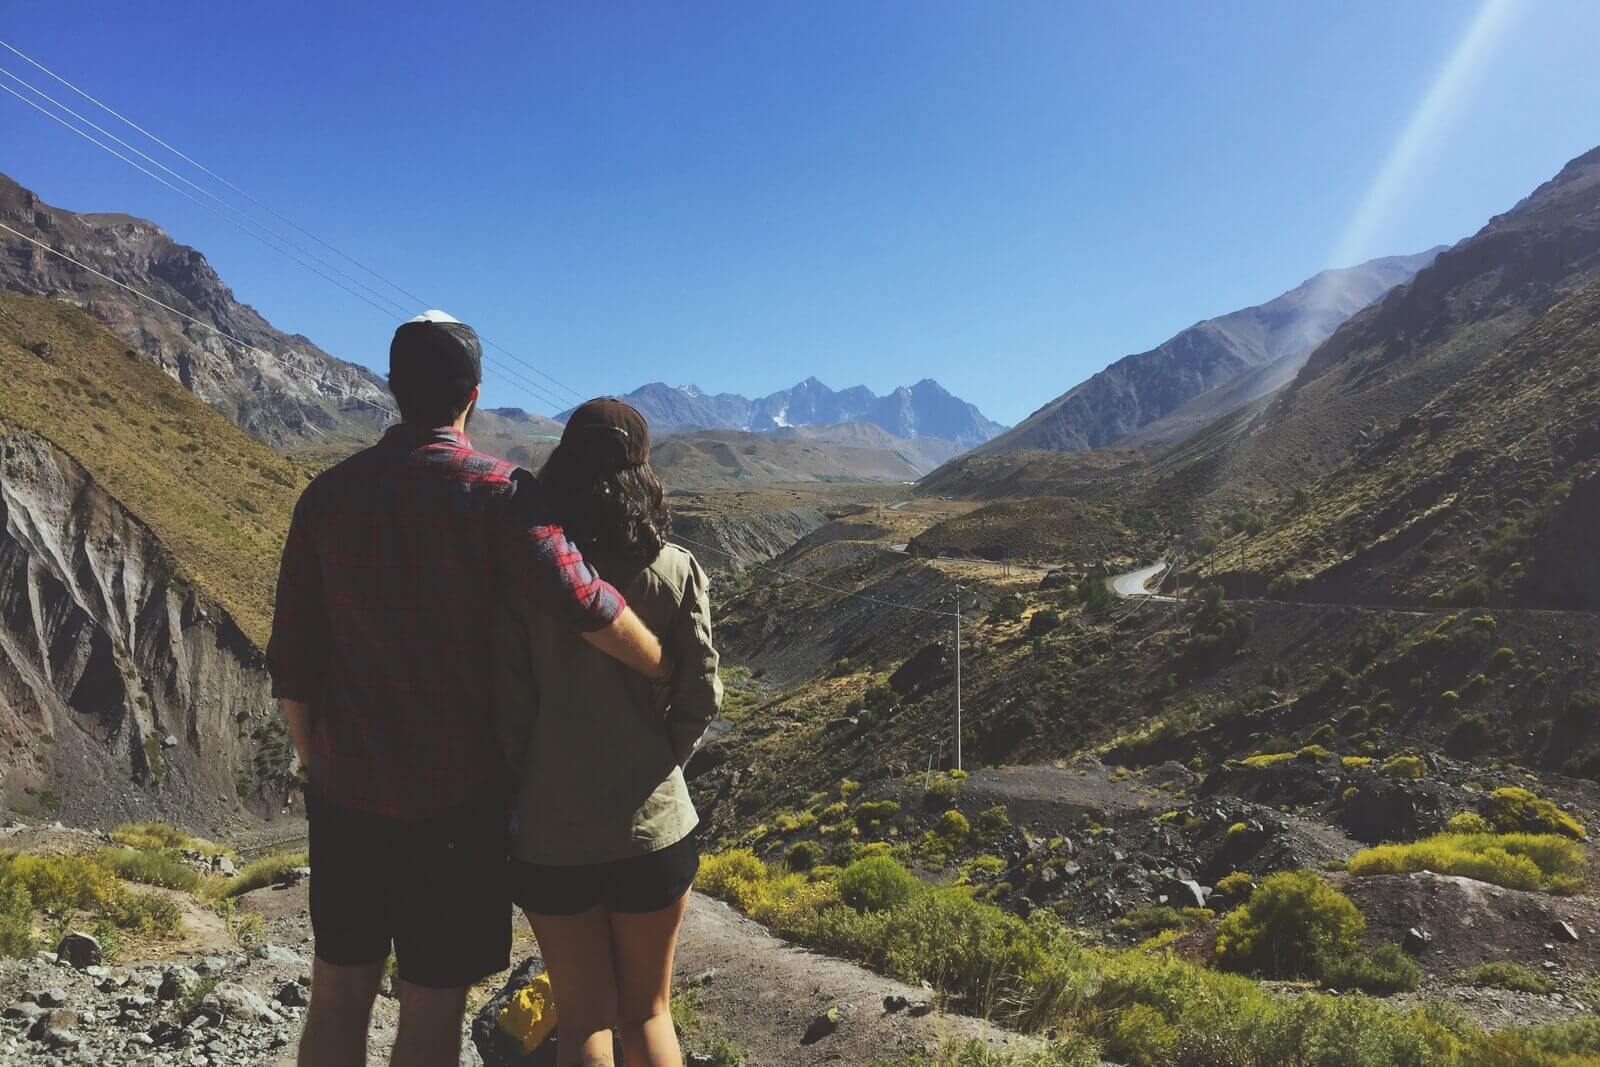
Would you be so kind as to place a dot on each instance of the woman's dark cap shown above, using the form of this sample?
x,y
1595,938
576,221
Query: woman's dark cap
x,y
435,348
606,435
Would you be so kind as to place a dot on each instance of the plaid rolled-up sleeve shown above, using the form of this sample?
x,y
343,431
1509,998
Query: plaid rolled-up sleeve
x,y
297,653
541,565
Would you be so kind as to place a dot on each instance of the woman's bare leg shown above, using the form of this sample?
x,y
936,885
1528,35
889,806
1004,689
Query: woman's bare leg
x,y
641,948
577,954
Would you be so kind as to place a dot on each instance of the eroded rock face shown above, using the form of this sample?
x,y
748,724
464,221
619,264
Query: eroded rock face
x,y
735,542
104,651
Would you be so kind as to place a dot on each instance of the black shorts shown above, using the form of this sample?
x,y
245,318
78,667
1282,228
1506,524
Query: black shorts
x,y
632,886
435,890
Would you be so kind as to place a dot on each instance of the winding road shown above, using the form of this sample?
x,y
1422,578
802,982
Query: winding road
x,y
1136,584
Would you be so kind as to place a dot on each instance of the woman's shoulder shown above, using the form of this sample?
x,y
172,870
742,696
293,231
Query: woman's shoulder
x,y
674,565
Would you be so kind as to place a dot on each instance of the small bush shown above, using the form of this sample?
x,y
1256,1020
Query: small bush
x,y
1404,767
1291,924
876,883
941,793
1144,1038
16,921
1266,759
1386,971
1516,861
1513,808
59,885
874,813
803,855
264,872
1151,920
1236,884
1043,621
146,913
994,820
1467,822
953,826
1351,763
165,869
1503,974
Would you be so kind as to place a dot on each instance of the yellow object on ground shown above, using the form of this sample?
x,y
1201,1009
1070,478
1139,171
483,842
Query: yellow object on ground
x,y
531,1015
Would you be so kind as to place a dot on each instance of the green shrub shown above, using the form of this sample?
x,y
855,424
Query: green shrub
x,y
1513,808
941,793
1292,923
59,885
876,883
1151,920
1386,971
146,913
1516,861
994,820
953,826
1404,766
803,855
1236,884
1043,621
1503,974
872,814
1144,1038
1467,822
165,869
16,921
264,872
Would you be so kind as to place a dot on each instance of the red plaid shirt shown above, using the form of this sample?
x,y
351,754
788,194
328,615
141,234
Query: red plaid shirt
x,y
385,598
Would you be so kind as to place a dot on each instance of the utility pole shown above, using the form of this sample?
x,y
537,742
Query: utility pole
x,y
958,677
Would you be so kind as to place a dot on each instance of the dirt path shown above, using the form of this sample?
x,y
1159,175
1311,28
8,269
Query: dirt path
x,y
758,990
766,994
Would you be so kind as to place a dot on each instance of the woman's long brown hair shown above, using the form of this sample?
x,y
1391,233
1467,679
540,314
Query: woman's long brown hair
x,y
624,514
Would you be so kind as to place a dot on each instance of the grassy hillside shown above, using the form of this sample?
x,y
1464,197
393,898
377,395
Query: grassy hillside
x,y
218,499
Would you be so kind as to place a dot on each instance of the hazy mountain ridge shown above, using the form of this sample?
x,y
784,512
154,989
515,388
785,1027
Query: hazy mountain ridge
x,y
283,389
1138,390
925,409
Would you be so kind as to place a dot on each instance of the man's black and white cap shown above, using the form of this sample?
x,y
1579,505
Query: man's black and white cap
x,y
435,347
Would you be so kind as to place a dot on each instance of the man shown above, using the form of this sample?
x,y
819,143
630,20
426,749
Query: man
x,y
380,658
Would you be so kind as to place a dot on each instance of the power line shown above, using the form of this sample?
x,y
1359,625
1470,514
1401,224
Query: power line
x,y
263,206
190,318
395,309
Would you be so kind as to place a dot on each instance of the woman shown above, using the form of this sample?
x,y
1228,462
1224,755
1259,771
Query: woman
x,y
604,852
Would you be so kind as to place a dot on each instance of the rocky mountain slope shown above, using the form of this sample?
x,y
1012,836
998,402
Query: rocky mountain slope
x,y
1186,377
279,387
925,409
1463,394
139,532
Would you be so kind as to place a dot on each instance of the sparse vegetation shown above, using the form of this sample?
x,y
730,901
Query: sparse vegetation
x,y
264,871
1504,974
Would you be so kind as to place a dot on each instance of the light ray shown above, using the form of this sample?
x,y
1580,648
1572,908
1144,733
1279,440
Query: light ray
x,y
1428,121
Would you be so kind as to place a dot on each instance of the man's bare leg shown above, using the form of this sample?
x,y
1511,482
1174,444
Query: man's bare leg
x,y
430,1026
335,1033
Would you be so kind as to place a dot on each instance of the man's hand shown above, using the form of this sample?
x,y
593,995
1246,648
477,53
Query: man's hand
x,y
297,713
629,641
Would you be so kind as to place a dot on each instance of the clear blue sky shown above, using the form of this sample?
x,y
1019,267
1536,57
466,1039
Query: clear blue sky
x,y
1005,197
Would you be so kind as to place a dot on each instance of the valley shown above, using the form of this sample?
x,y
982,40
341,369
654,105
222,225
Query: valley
x,y
1279,678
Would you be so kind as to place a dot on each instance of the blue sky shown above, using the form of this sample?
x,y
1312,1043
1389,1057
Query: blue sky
x,y
1005,197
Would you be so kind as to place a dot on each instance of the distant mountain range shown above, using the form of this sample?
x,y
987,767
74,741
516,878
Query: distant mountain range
x,y
1211,368
925,409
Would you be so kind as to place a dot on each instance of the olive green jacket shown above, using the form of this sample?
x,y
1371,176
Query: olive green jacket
x,y
598,749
